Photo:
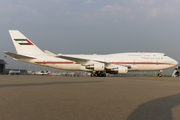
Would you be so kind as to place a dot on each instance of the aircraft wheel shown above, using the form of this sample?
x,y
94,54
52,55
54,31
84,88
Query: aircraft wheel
x,y
96,75
99,75
104,75
159,75
92,75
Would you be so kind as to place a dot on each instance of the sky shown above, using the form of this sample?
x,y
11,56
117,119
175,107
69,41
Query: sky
x,y
92,26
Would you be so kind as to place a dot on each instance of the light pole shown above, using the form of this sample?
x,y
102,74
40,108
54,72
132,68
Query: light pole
x,y
5,58
4,64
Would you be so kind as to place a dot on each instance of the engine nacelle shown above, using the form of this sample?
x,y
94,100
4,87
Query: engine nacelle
x,y
96,67
118,70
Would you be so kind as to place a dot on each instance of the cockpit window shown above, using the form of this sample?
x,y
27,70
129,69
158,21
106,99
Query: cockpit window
x,y
165,55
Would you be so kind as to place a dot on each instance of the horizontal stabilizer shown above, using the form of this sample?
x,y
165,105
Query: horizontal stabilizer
x,y
18,56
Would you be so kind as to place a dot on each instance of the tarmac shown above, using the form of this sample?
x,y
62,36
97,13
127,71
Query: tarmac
x,y
28,97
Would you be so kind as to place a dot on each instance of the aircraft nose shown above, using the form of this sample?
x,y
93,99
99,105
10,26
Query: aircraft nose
x,y
175,62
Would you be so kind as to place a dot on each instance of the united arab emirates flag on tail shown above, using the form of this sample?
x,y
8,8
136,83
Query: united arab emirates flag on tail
x,y
23,41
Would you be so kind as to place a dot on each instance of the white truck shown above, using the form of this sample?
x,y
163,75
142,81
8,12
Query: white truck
x,y
14,72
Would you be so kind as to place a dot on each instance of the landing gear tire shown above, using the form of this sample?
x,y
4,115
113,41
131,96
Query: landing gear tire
x,y
98,74
159,75
92,75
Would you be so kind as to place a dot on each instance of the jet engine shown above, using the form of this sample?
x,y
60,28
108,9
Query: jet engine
x,y
96,66
118,70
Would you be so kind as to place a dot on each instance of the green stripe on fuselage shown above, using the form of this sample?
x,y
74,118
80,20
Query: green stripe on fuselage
x,y
19,39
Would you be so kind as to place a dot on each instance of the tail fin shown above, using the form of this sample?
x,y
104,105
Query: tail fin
x,y
23,45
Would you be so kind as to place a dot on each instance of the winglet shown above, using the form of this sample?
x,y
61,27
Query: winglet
x,y
50,53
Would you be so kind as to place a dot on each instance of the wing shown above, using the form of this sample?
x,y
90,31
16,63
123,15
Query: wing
x,y
77,60
84,61
18,56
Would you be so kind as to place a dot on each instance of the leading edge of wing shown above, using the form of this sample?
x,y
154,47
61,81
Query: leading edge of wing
x,y
69,57
82,61
77,60
18,56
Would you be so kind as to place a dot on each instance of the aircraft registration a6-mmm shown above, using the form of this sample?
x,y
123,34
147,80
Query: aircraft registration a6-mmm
x,y
98,65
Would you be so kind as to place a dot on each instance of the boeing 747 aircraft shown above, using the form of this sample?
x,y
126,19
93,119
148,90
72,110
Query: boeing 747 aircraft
x,y
98,65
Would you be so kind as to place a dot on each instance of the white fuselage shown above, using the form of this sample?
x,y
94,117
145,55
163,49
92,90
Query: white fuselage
x,y
119,63
134,61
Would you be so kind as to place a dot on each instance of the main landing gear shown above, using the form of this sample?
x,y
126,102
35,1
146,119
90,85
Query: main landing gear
x,y
160,73
98,74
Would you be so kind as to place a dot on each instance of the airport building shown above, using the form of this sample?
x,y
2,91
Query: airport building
x,y
2,66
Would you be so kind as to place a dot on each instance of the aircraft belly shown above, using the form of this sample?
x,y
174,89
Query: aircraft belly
x,y
68,66
149,67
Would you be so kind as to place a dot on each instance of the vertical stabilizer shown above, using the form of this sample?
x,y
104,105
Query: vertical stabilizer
x,y
23,45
